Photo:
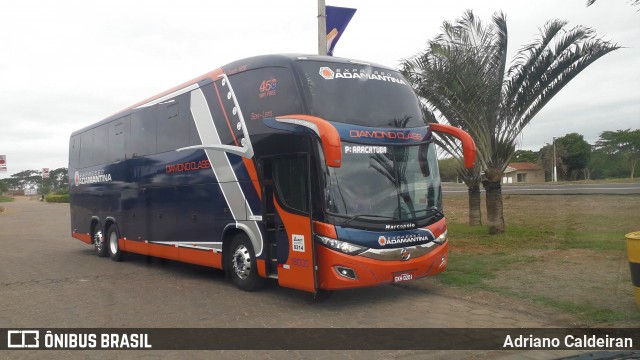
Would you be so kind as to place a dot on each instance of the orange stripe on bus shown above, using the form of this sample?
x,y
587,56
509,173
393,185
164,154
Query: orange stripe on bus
x,y
224,112
253,174
323,229
85,238
329,137
212,75
172,252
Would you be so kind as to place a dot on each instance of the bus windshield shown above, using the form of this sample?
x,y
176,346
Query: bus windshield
x,y
397,182
359,94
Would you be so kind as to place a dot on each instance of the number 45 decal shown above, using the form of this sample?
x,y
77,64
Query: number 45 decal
x,y
268,85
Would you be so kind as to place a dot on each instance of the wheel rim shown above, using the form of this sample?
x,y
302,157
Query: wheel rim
x,y
242,262
98,240
113,242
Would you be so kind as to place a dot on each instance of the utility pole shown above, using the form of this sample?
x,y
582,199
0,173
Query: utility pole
x,y
322,28
555,170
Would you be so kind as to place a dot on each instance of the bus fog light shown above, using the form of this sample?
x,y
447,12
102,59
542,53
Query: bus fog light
x,y
441,239
346,272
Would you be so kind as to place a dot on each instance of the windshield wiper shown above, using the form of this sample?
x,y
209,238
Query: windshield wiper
x,y
434,210
357,216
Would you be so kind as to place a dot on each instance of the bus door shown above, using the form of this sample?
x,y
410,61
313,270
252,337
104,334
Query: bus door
x,y
287,220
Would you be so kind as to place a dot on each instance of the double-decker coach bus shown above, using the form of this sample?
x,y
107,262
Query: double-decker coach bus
x,y
317,171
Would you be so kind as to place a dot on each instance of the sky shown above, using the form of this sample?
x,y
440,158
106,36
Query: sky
x,y
67,64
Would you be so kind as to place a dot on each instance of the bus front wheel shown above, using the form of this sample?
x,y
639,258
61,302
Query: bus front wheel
x,y
242,264
112,243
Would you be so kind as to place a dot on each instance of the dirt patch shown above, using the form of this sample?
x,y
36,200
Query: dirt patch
x,y
584,277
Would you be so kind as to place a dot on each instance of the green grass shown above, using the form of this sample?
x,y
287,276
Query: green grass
x,y
6,198
583,233
586,312
470,270
520,237
54,198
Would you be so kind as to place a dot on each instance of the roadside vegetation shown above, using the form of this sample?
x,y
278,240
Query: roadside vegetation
x,y
55,187
6,198
59,196
563,252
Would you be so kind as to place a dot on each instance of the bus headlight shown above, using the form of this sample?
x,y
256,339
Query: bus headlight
x,y
441,239
341,246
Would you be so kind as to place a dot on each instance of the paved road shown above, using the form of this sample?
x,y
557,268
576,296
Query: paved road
x,y
50,280
550,189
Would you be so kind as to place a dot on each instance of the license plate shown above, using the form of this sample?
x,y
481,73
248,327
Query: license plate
x,y
405,276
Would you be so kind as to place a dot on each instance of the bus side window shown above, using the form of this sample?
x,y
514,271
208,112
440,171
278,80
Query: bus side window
x,y
118,131
173,129
74,152
143,132
100,142
290,177
86,148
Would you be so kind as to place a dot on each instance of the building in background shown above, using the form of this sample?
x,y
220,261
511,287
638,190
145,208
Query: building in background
x,y
523,172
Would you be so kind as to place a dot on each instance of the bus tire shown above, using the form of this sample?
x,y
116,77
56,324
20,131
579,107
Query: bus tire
x,y
99,243
242,264
112,243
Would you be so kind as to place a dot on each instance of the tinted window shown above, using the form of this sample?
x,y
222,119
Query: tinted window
x,y
359,94
173,128
74,151
290,175
143,132
266,92
86,148
101,148
118,130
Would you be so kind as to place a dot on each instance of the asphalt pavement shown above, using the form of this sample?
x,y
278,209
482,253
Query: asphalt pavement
x,y
50,280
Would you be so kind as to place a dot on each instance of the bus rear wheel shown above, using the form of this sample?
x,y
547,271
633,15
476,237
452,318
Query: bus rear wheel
x,y
99,244
242,264
112,243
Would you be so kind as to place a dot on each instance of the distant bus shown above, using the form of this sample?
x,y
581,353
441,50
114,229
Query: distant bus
x,y
317,171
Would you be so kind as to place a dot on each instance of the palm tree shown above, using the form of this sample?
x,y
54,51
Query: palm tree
x,y
463,77
633,2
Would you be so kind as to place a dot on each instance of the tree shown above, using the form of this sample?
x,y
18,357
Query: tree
x,y
59,178
448,169
26,179
525,156
603,165
625,143
546,160
633,2
463,78
576,154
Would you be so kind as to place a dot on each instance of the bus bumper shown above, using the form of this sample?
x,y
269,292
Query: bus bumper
x,y
359,271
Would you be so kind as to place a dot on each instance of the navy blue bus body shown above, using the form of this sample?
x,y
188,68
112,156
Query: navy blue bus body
x,y
125,173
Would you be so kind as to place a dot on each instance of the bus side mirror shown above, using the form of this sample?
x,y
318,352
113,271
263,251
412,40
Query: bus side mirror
x,y
468,145
329,137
